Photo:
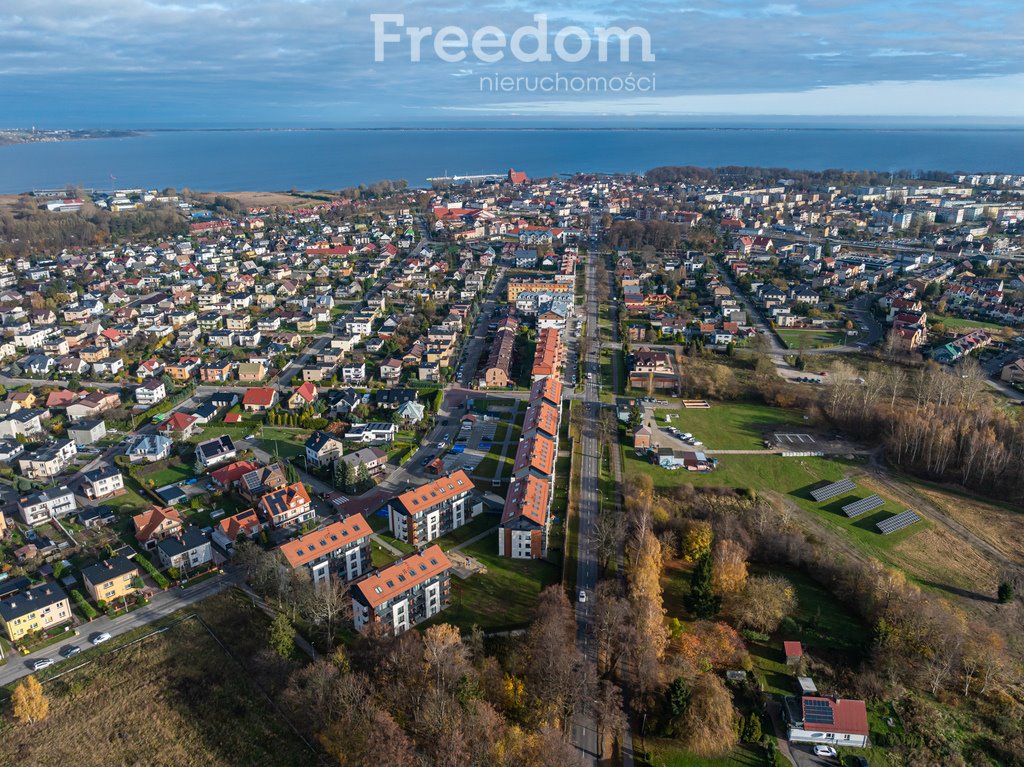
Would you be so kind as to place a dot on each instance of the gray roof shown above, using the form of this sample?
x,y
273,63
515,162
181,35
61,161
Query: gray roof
x,y
35,598
114,567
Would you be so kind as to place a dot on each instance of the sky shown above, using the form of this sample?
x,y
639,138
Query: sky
x,y
314,63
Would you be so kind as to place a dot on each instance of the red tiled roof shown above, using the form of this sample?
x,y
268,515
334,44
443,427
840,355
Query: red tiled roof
x,y
263,397
431,494
148,521
318,543
848,716
527,497
232,472
792,649
402,576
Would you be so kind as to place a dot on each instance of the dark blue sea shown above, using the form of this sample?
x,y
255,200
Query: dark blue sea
x,y
258,160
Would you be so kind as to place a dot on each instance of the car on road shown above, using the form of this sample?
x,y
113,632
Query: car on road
x,y
583,596
70,651
42,663
100,638
440,445
824,751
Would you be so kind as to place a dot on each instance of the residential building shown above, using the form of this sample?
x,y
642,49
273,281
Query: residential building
x,y
829,721
48,461
259,400
188,550
103,482
228,530
341,548
213,452
427,512
179,426
287,507
323,449
86,433
111,579
155,524
404,594
37,609
371,432
150,392
525,519
148,447
46,504
373,459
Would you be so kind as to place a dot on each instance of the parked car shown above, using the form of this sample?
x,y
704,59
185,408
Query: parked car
x,y
70,651
42,663
824,751
100,638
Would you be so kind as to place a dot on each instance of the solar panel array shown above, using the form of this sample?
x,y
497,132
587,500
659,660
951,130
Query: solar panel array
x,y
892,524
817,712
857,508
829,492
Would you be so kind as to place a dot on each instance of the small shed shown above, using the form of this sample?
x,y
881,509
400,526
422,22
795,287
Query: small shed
x,y
793,651
806,685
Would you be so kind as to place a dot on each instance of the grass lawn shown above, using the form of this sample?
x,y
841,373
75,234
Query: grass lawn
x,y
379,556
169,475
501,598
956,323
813,339
164,702
402,546
474,527
731,425
668,753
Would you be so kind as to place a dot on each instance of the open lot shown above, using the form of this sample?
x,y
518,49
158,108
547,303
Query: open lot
x,y
813,339
732,425
176,699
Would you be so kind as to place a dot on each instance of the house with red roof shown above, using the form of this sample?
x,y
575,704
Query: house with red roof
x,y
259,400
303,395
827,721
226,476
179,426
228,530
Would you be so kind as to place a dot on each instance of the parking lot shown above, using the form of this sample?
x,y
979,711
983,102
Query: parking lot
x,y
795,439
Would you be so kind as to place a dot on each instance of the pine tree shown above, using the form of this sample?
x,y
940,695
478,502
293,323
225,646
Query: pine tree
x,y
701,601
282,636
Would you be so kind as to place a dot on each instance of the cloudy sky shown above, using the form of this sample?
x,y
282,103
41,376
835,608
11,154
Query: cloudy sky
x,y
176,63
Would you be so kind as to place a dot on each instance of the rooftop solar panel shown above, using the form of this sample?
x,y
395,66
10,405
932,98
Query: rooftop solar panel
x,y
862,506
829,492
898,522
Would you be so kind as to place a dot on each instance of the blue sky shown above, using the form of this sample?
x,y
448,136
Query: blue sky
x,y
179,63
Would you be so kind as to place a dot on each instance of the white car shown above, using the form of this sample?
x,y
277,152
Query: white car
x,y
583,596
824,751
100,638
440,445
42,663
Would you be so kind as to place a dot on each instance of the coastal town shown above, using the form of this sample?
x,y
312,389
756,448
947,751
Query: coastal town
x,y
714,464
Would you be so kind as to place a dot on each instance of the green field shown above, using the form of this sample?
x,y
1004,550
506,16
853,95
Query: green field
x,y
813,339
501,598
793,478
474,527
668,753
953,323
731,425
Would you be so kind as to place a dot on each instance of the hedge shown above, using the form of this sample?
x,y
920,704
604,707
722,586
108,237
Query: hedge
x,y
158,577
87,609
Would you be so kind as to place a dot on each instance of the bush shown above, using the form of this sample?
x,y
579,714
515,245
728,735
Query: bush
x,y
87,609
158,577
1005,592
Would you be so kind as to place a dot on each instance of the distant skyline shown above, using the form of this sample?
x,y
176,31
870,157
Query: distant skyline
x,y
239,63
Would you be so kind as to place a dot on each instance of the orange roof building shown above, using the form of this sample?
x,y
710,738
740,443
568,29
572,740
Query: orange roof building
x,y
341,547
408,592
155,524
429,511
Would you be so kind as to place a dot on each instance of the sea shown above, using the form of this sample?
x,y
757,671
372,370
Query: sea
x,y
312,159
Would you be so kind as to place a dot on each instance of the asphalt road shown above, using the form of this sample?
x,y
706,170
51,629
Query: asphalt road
x,y
162,605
